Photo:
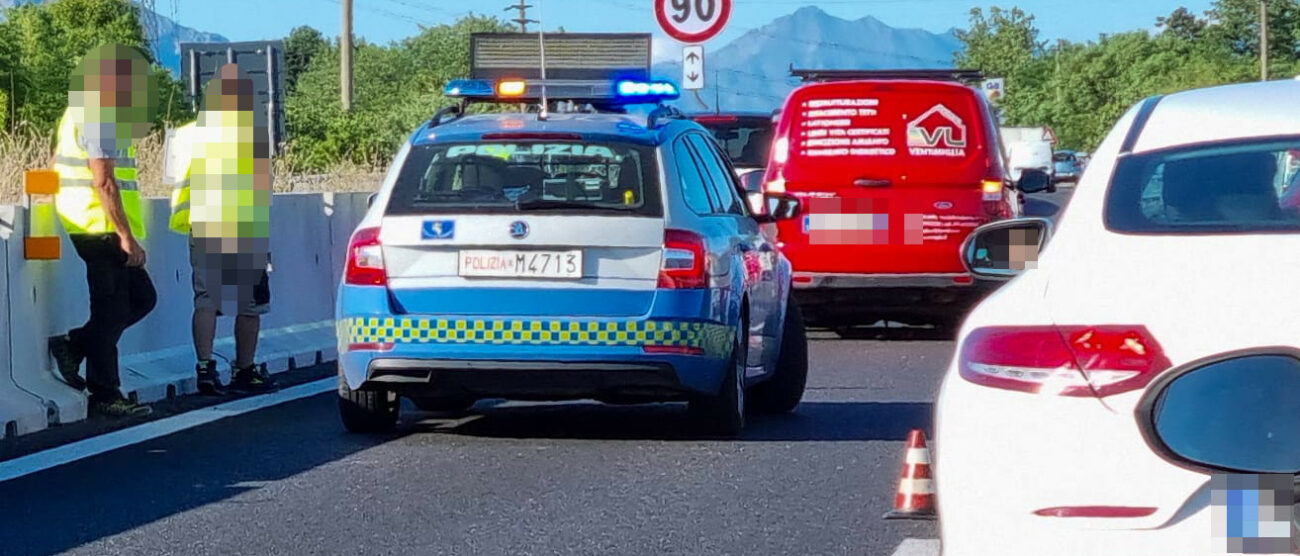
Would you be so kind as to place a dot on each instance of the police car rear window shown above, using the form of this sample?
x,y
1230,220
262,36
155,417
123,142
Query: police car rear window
x,y
497,177
1238,187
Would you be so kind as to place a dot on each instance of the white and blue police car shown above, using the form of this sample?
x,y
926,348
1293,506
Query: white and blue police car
x,y
576,252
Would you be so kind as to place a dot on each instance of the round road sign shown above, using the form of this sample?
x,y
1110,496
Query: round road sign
x,y
692,20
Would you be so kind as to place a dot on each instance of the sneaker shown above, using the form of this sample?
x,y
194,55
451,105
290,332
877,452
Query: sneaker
x,y
253,378
120,407
209,380
67,361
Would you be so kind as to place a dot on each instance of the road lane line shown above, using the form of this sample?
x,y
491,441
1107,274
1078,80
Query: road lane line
x,y
96,445
918,547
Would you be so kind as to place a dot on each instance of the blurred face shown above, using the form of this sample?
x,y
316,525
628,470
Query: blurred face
x,y
229,119
113,85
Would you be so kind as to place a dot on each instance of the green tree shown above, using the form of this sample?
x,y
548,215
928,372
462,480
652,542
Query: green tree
x,y
42,42
1183,24
1081,89
1003,43
395,87
302,45
1236,28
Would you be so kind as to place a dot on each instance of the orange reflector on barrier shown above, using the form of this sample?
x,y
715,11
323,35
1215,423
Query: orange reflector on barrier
x,y
42,242
41,182
42,248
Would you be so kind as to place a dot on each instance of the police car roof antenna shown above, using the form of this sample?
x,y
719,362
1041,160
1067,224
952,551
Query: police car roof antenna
x,y
541,45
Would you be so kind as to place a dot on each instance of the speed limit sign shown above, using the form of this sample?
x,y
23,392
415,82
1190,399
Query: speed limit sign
x,y
692,20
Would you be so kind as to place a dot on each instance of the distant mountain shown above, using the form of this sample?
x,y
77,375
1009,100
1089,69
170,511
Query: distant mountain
x,y
166,37
164,34
753,71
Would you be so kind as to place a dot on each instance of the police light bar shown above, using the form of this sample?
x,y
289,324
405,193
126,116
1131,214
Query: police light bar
x,y
626,91
657,90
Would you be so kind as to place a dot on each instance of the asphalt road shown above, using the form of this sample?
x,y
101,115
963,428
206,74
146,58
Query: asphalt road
x,y
523,479
507,479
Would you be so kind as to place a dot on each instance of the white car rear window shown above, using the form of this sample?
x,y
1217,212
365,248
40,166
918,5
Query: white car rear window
x,y
1240,187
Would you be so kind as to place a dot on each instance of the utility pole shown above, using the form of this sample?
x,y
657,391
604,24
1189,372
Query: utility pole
x,y
522,20
345,56
1264,39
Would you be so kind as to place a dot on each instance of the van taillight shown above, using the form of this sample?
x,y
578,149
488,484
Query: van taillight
x,y
1062,360
365,265
993,196
781,151
683,265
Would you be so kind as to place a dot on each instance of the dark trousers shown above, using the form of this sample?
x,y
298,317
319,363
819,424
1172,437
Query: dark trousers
x,y
119,297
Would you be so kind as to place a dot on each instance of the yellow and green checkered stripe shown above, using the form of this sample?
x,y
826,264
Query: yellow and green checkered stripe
x,y
714,339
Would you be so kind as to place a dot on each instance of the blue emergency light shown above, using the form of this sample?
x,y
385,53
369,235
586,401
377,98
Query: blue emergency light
x,y
469,88
650,91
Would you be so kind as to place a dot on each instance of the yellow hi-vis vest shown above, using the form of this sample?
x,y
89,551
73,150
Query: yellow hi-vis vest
x,y
77,201
176,172
212,172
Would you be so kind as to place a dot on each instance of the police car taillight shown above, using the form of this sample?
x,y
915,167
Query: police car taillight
x,y
683,265
365,260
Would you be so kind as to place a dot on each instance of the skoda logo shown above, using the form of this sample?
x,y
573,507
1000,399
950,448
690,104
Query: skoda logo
x,y
519,229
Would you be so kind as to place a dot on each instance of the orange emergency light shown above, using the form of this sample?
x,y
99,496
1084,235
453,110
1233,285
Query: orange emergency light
x,y
511,88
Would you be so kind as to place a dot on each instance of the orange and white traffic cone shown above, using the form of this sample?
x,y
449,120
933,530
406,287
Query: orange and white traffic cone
x,y
915,496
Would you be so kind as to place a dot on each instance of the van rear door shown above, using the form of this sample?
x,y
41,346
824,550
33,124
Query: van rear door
x,y
893,175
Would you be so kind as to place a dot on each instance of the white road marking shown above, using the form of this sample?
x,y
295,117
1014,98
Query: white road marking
x,y
93,446
918,547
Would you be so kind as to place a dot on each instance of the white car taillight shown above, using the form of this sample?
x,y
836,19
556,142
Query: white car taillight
x,y
1062,360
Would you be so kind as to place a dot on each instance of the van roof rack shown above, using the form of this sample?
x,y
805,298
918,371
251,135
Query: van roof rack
x,y
826,75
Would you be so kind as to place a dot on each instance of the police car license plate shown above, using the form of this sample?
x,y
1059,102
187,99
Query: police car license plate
x,y
521,264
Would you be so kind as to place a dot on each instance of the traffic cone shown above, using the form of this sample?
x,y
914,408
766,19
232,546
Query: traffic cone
x,y
915,496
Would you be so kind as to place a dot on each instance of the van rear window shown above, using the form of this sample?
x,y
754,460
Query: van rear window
x,y
921,133
496,177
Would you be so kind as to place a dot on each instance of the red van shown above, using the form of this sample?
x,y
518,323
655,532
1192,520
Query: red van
x,y
893,174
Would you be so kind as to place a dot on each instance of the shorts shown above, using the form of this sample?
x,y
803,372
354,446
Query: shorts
x,y
230,283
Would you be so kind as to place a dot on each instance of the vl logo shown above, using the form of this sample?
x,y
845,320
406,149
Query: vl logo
x,y
938,132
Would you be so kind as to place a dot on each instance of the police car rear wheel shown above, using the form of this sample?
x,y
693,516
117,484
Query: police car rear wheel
x,y
368,410
782,393
724,413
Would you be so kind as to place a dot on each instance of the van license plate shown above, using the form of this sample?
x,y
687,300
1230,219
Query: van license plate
x,y
521,264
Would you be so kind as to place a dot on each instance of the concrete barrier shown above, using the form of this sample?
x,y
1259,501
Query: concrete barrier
x,y
309,234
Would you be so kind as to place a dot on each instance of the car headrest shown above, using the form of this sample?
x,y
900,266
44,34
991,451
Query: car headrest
x,y
1197,187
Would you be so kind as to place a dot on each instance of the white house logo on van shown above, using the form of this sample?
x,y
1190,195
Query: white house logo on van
x,y
938,132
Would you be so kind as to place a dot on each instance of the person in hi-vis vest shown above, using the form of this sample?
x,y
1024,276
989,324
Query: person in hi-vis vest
x,y
112,100
220,172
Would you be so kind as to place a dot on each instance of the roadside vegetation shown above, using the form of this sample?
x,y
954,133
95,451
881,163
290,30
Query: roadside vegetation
x,y
1079,89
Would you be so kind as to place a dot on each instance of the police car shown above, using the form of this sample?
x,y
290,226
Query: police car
x,y
567,253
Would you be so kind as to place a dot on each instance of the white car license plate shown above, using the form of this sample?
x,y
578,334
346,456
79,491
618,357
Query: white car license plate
x,y
521,264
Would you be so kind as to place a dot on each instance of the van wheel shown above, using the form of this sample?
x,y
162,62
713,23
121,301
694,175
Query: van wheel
x,y
365,411
724,413
782,392
444,404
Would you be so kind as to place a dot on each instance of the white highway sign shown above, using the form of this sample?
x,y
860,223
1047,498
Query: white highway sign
x,y
692,68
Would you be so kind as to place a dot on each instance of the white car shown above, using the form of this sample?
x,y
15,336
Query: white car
x,y
1175,247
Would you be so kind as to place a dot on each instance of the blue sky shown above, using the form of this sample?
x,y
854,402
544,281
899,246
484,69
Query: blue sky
x,y
386,20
